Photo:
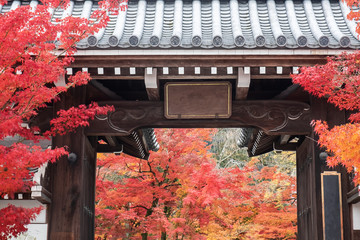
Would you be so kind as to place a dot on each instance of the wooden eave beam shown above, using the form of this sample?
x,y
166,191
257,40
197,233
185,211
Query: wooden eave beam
x,y
197,60
354,195
284,139
152,84
147,74
242,84
112,141
106,148
143,141
261,143
286,147
40,194
272,116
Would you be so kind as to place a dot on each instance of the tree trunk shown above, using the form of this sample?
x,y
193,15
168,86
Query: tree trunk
x,y
163,235
144,236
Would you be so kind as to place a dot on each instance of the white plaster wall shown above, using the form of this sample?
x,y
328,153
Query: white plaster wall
x,y
356,216
37,229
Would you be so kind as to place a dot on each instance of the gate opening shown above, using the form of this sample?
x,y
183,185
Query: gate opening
x,y
196,184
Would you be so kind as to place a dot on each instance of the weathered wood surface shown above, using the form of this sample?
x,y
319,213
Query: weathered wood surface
x,y
309,169
354,195
306,194
198,60
356,235
71,213
272,116
152,85
242,84
197,100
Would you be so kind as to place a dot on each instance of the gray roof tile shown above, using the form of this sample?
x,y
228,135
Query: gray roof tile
x,y
219,24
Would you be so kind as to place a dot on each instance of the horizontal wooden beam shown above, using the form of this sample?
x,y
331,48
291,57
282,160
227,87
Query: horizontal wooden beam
x,y
286,147
124,73
105,148
354,195
198,61
125,77
41,194
270,76
183,77
194,77
274,117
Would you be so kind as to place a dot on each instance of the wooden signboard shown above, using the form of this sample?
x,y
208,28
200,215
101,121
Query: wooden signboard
x,y
197,100
332,205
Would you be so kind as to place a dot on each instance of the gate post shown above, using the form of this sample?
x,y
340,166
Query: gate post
x,y
309,169
72,182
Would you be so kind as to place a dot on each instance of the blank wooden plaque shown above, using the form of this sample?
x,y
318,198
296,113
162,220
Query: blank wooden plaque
x,y
332,205
197,100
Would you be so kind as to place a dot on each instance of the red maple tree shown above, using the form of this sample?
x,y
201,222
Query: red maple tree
x,y
34,51
338,81
180,193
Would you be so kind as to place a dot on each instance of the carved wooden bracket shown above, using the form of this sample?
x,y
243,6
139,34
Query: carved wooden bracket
x,y
272,116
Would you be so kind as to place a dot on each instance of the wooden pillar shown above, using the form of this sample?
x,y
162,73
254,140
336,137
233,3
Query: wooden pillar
x,y
309,169
72,182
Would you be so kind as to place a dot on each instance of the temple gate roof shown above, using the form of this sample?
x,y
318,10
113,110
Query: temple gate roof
x,y
219,24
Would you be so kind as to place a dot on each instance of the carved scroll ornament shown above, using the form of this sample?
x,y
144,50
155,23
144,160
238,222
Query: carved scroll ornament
x,y
272,116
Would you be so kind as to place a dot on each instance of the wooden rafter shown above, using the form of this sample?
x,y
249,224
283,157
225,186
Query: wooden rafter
x,y
242,84
151,84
